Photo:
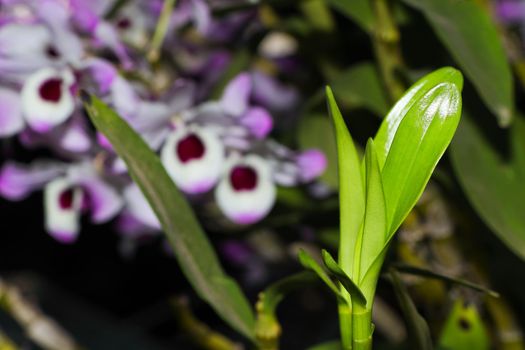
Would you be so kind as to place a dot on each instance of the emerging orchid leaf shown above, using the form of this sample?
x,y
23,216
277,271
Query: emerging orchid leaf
x,y
414,136
351,188
311,264
342,277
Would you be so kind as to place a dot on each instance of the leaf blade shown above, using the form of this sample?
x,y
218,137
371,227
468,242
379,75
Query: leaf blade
x,y
359,11
192,249
351,191
351,287
310,263
492,187
374,234
458,24
420,333
420,139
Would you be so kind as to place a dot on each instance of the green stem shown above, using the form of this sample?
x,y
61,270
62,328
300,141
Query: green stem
x,y
386,46
362,327
160,30
198,332
345,324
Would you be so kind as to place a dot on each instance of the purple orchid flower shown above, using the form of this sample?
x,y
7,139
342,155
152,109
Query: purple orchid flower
x,y
69,191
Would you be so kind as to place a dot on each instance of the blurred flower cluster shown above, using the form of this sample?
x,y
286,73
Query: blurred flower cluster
x,y
214,143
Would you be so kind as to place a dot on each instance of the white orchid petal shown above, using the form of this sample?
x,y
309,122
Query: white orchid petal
x,y
194,159
46,98
138,207
246,193
62,206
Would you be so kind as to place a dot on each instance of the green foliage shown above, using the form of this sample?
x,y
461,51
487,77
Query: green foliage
x,y
493,186
332,345
419,334
310,263
473,40
418,271
315,131
188,241
351,186
359,11
376,195
342,277
360,86
464,329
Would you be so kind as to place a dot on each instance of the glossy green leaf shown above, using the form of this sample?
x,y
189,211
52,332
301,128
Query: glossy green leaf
x,y
351,186
418,331
464,329
473,40
418,271
374,235
494,187
342,277
414,136
316,131
359,11
192,249
310,263
360,86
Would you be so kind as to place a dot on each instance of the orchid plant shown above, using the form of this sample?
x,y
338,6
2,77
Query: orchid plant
x,y
376,194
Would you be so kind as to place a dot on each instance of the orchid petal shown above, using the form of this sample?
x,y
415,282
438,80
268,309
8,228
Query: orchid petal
x,y
17,181
236,95
43,112
11,120
253,197
193,159
62,204
258,121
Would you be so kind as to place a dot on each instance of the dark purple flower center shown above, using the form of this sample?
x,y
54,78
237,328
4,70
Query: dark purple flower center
x,y
243,178
66,199
51,90
124,23
190,147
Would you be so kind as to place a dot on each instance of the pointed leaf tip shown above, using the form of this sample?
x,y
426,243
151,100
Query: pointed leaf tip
x,y
351,287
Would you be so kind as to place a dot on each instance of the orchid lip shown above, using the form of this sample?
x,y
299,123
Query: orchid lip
x,y
189,148
50,90
243,178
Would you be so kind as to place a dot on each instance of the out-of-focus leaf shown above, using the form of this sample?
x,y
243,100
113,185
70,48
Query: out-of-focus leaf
x,y
359,11
374,235
414,136
331,345
318,14
316,131
360,86
342,277
192,249
472,39
310,263
464,329
351,186
494,188
274,293
418,271
419,333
